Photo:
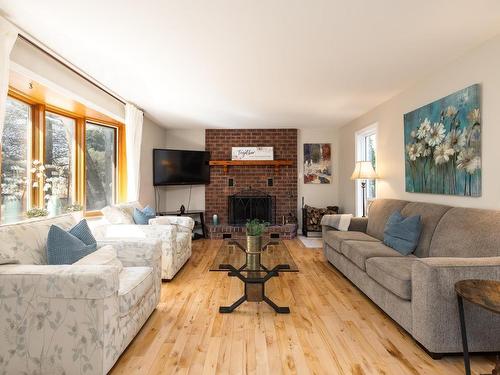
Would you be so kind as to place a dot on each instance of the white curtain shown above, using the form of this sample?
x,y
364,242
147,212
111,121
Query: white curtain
x,y
133,133
8,36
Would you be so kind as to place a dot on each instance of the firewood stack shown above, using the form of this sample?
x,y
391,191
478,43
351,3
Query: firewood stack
x,y
314,216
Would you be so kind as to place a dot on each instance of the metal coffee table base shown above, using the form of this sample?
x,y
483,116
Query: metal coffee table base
x,y
254,287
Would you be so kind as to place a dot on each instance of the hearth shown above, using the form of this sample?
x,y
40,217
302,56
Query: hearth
x,y
251,204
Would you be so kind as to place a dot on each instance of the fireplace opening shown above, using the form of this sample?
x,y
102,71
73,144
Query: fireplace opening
x,y
251,204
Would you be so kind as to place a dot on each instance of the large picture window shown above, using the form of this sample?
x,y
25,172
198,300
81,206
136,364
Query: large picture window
x,y
16,147
59,160
100,166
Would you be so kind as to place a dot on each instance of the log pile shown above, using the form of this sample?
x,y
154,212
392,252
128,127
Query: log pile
x,y
314,215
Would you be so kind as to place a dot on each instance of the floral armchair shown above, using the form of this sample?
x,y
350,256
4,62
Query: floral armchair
x,y
174,233
71,319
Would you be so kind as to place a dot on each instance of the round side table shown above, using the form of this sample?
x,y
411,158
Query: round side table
x,y
484,293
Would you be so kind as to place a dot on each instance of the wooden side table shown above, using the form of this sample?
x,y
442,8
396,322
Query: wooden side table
x,y
484,293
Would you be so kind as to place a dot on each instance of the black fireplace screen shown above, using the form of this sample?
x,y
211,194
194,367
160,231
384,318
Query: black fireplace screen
x,y
251,204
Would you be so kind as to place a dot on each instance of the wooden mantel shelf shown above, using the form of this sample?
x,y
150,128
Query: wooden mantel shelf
x,y
273,163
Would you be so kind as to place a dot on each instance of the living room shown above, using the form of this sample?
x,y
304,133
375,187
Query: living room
x,y
250,187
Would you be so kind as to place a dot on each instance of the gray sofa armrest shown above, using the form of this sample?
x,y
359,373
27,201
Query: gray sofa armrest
x,y
358,224
434,305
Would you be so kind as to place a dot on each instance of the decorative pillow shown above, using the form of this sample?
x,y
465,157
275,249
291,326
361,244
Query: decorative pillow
x,y
116,215
149,211
402,233
104,256
67,247
83,233
142,217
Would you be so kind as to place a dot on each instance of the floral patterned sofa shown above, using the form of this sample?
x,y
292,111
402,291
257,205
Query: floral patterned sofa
x,y
71,319
174,232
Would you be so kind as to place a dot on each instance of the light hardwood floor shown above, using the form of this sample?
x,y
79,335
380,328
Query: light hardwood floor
x,y
332,329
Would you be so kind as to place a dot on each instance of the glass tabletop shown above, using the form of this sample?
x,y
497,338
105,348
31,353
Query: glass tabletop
x,y
233,252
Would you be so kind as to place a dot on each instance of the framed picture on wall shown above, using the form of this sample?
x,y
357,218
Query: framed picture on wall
x,y
443,145
317,163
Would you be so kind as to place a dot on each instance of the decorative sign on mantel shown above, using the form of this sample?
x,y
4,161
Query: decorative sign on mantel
x,y
252,153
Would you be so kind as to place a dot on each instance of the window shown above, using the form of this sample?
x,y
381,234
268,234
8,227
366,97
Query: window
x,y
100,166
15,161
366,150
53,158
60,158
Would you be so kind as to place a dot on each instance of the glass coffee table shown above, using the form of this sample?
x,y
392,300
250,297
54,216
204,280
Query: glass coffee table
x,y
254,270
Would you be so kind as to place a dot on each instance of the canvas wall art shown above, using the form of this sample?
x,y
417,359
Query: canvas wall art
x,y
443,145
317,163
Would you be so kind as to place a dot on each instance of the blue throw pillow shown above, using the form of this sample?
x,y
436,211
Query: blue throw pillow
x,y
149,211
142,217
402,233
83,233
66,248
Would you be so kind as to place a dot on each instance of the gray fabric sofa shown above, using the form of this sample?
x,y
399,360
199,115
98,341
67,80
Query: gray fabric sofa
x,y
417,291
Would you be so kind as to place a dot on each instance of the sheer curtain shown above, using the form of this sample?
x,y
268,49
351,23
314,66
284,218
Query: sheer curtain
x,y
8,36
133,134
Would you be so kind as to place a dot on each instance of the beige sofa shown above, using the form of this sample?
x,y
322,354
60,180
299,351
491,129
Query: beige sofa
x,y
174,232
417,291
71,319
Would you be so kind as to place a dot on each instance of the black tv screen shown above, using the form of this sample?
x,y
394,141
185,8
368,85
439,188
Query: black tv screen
x,y
180,167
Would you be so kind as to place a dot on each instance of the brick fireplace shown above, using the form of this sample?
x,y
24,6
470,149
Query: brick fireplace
x,y
279,184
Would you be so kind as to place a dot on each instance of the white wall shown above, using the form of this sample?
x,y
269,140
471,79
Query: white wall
x,y
153,136
479,66
31,62
175,196
317,195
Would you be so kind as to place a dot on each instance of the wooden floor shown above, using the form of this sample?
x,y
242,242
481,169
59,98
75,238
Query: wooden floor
x,y
332,329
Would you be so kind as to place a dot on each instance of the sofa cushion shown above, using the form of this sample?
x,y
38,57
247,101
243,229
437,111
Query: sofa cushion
x,y
379,212
402,233
430,214
83,233
466,233
134,284
334,238
65,248
142,217
128,207
359,251
104,256
117,215
26,242
394,274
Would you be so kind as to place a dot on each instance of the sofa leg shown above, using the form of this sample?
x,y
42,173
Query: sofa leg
x,y
435,356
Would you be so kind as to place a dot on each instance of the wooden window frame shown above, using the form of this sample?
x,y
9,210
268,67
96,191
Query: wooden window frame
x,y
121,169
38,111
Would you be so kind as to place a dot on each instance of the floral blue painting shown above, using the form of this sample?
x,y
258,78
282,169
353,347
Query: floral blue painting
x,y
443,145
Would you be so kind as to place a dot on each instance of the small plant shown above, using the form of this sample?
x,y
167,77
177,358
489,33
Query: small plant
x,y
256,227
37,212
74,207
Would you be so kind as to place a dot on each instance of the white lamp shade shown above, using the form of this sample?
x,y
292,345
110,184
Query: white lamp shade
x,y
363,170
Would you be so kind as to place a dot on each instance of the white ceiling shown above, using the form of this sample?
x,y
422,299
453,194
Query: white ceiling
x,y
257,63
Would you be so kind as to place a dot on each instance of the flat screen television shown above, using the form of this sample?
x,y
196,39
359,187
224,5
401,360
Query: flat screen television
x,y
180,167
